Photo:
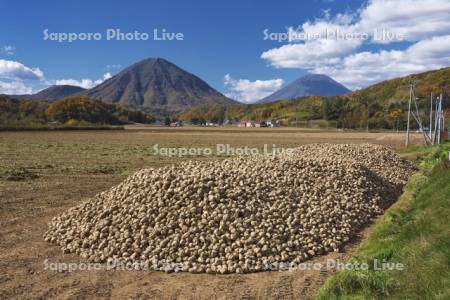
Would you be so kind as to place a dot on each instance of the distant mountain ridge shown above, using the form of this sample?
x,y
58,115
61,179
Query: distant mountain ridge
x,y
308,85
156,83
54,92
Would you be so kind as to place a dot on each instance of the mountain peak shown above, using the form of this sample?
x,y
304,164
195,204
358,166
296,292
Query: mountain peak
x,y
158,84
153,60
150,63
308,85
316,76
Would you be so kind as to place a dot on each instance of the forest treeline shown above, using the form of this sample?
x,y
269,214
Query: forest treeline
x,y
71,111
383,105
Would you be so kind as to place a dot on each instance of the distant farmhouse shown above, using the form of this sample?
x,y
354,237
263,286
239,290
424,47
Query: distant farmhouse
x,y
249,123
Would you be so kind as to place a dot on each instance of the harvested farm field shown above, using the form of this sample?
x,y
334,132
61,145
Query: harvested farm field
x,y
77,198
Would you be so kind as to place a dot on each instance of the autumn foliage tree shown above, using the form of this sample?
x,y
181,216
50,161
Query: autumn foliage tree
x,y
82,109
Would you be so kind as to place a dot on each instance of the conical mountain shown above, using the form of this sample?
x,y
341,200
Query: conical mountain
x,y
157,84
308,85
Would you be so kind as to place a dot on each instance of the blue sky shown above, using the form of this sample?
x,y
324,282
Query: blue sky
x,y
223,41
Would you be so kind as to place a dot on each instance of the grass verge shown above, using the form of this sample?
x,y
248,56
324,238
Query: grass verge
x,y
415,234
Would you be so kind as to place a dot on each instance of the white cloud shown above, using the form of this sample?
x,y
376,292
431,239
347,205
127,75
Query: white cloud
x,y
365,68
309,54
17,79
8,49
15,70
16,76
312,42
14,88
106,76
248,91
423,22
84,83
415,19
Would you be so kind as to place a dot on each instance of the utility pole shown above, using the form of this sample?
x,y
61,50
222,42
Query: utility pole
x,y
430,132
440,119
409,113
436,106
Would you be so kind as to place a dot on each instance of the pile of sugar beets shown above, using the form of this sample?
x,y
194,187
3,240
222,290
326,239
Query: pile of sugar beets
x,y
237,215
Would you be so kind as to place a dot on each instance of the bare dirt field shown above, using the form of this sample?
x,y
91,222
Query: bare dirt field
x,y
73,166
